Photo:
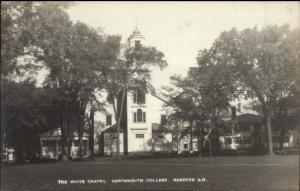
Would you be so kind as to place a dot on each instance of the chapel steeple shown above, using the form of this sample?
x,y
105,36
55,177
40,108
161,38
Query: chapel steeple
x,y
136,39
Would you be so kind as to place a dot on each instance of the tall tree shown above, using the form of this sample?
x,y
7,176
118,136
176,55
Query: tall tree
x,y
265,64
210,87
204,94
70,52
187,111
126,72
76,77
214,88
27,28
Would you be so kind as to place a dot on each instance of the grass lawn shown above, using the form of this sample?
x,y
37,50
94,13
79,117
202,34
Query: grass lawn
x,y
217,173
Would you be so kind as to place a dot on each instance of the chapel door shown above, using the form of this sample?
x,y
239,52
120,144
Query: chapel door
x,y
140,142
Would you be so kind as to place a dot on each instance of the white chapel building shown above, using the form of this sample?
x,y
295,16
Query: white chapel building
x,y
143,125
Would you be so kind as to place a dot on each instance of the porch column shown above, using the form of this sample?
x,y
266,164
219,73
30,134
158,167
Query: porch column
x,y
72,147
87,146
56,153
41,145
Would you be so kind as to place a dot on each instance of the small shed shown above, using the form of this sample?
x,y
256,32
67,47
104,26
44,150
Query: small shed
x,y
109,141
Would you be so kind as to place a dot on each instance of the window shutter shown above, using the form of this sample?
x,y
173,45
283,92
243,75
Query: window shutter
x,y
143,96
134,117
144,117
134,97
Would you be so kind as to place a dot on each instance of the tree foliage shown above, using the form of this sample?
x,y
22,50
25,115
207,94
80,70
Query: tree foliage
x,y
24,25
27,111
262,65
267,66
70,52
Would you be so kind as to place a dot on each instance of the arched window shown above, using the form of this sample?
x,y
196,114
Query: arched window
x,y
139,116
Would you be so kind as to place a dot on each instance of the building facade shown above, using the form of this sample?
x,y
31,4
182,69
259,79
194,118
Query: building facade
x,y
51,145
141,112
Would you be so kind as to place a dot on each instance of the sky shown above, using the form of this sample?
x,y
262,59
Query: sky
x,y
181,29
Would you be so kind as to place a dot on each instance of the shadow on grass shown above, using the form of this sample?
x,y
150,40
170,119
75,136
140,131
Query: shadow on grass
x,y
290,151
160,155
27,162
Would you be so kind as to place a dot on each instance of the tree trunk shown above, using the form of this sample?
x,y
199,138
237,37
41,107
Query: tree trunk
x,y
210,152
80,134
199,146
211,138
118,141
65,133
269,130
118,116
119,122
64,145
178,144
91,142
69,139
200,142
282,135
191,137
80,154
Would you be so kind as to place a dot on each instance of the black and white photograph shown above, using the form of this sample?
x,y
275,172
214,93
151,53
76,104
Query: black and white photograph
x,y
137,95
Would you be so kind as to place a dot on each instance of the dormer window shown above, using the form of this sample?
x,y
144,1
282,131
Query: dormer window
x,y
139,96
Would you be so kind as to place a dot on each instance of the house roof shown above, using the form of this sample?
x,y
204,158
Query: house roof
x,y
52,133
57,132
249,118
246,118
136,34
113,129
